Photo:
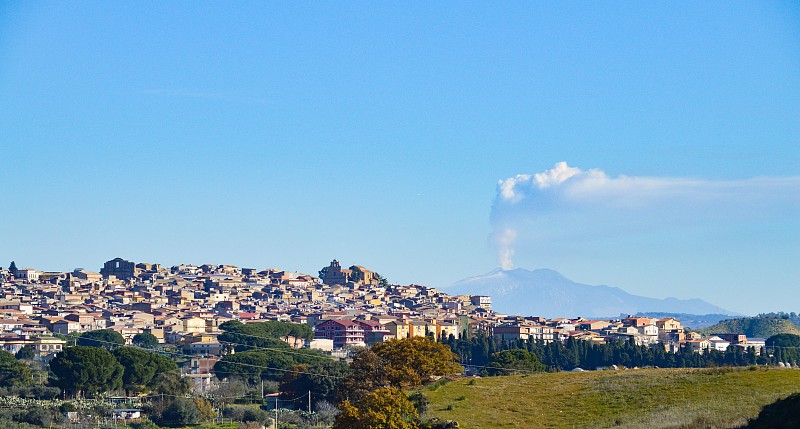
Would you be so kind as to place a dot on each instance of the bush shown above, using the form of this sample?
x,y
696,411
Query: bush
x,y
67,407
181,412
233,412
144,424
256,415
38,416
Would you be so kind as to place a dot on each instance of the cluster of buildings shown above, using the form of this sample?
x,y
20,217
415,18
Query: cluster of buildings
x,y
186,304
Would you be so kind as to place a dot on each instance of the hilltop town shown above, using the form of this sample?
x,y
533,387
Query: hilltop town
x,y
184,305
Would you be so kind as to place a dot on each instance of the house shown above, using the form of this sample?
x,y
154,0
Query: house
x,y
65,327
734,338
669,324
193,324
27,274
8,325
42,345
206,348
593,325
374,332
398,328
718,343
342,332
482,301
637,322
697,346
131,414
512,332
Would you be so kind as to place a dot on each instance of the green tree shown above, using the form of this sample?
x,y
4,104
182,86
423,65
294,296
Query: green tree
x,y
28,352
170,383
146,340
783,341
517,359
254,365
381,280
141,367
320,377
386,408
105,338
13,268
356,275
13,373
87,369
255,333
181,412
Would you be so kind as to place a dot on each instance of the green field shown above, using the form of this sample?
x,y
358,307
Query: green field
x,y
639,398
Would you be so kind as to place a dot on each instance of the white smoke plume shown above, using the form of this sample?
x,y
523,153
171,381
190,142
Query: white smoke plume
x,y
589,202
505,247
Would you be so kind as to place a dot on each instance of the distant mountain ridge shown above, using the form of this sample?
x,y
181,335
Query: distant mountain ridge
x,y
547,293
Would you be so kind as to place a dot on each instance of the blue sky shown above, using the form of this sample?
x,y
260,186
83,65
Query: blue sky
x,y
284,135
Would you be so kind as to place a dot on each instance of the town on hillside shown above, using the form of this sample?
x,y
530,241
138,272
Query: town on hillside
x,y
184,305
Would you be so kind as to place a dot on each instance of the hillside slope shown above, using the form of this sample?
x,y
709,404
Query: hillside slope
x,y
753,327
651,398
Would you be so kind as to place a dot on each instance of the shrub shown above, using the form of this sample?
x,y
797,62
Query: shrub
x,y
181,412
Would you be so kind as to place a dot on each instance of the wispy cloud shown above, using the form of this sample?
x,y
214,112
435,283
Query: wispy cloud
x,y
596,203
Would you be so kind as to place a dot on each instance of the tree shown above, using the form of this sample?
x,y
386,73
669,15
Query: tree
x,y
13,268
783,341
141,367
386,408
87,369
28,352
181,412
170,383
256,333
204,409
356,275
516,359
320,378
415,361
367,373
254,365
105,338
145,340
13,373
382,282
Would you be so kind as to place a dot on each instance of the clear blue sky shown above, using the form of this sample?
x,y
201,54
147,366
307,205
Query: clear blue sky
x,y
268,134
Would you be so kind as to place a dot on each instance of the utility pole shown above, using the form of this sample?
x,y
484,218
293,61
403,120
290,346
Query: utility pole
x,y
309,402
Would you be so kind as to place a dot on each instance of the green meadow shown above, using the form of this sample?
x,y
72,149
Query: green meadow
x,y
637,398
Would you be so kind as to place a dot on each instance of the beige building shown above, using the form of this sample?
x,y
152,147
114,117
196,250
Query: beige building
x,y
193,324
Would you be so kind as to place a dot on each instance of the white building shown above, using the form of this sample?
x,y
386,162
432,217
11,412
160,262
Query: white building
x,y
27,274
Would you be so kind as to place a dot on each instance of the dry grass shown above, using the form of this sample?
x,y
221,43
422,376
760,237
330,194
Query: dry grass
x,y
643,398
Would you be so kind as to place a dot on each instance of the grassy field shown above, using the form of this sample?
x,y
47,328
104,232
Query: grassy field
x,y
640,398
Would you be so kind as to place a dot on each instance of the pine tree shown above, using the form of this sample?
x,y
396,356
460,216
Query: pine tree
x,y
13,268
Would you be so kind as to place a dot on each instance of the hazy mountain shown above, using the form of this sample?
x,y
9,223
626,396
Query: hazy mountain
x,y
549,294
